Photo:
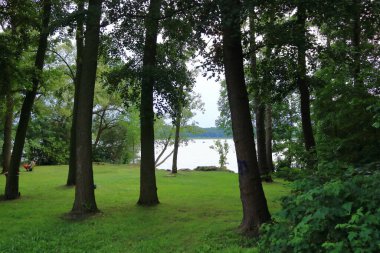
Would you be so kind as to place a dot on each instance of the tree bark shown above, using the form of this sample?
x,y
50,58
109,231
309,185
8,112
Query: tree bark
x,y
84,189
148,188
261,142
302,81
176,139
12,182
255,209
71,177
269,137
8,123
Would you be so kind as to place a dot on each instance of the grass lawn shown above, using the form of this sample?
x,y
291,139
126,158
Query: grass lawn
x,y
199,212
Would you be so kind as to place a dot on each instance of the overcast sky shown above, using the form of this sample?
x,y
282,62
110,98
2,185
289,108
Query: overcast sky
x,y
209,91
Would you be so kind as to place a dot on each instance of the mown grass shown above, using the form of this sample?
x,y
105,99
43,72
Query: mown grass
x,y
199,212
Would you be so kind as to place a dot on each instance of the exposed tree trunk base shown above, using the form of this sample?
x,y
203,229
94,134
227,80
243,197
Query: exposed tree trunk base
x,y
84,210
79,216
152,202
267,178
11,196
248,230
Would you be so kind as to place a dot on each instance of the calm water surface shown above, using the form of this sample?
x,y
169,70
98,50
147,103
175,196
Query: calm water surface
x,y
198,153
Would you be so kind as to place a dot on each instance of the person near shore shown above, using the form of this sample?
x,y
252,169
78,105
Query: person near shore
x,y
30,166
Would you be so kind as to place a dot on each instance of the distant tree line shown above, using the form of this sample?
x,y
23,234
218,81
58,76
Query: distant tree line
x,y
207,133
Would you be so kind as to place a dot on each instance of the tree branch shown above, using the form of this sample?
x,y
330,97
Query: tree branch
x,y
166,158
72,75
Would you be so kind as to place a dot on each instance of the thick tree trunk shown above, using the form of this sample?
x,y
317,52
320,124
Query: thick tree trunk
x,y
84,189
148,188
176,140
79,43
12,183
255,209
269,137
302,81
8,123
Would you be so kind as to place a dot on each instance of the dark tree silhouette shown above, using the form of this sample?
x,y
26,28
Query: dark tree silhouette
x,y
255,209
84,188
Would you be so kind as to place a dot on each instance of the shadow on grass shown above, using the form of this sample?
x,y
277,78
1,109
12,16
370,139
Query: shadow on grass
x,y
79,216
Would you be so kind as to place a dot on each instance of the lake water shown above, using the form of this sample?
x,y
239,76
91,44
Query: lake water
x,y
198,153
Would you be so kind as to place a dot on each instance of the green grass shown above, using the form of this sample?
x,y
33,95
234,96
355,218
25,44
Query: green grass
x,y
199,212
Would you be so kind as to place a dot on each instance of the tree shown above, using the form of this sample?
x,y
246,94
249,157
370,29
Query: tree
x,y
8,124
259,97
12,183
71,177
148,188
222,150
269,137
255,209
184,112
14,38
84,202
302,79
349,76
110,118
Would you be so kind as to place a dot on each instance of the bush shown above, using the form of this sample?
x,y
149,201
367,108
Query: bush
x,y
335,215
289,174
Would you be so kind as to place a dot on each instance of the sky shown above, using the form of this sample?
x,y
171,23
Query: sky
x,y
209,91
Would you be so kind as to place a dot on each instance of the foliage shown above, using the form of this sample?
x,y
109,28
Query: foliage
x,y
116,132
224,119
222,149
193,216
289,174
329,213
48,135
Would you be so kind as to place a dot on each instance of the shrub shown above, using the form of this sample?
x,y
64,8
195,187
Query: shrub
x,y
335,215
289,174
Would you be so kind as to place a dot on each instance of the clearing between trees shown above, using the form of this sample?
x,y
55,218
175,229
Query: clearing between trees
x,y
199,212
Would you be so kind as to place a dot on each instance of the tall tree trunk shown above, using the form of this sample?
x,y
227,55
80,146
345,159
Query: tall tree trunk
x,y
148,188
8,123
259,104
79,43
176,139
255,209
269,136
12,183
302,81
84,189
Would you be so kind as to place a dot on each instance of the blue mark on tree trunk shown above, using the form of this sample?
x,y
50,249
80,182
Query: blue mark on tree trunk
x,y
242,167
